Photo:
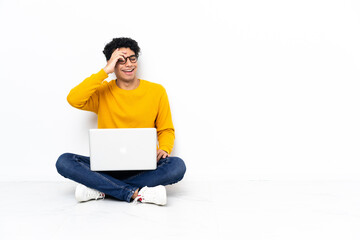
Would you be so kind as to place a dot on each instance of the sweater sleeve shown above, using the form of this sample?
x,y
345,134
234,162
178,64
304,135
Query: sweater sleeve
x,y
85,95
164,125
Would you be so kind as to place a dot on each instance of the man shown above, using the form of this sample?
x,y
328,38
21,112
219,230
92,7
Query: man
x,y
125,102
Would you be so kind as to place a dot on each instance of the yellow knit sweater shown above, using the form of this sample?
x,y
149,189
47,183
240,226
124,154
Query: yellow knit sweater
x,y
147,106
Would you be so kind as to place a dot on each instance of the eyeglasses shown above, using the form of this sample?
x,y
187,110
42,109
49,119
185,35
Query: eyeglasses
x,y
123,59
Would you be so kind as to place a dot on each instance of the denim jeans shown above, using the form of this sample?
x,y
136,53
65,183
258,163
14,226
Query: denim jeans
x,y
120,184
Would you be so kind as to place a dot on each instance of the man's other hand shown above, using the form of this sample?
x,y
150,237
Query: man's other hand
x,y
161,154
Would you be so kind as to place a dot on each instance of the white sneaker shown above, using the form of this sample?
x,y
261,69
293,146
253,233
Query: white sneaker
x,y
156,195
83,194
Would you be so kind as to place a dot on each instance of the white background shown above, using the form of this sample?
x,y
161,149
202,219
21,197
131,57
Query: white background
x,y
258,89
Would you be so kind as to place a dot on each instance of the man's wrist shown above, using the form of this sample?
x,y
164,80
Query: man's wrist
x,y
106,70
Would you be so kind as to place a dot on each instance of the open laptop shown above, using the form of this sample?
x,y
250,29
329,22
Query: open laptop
x,y
123,149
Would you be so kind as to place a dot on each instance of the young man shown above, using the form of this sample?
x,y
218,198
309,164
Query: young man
x,y
125,102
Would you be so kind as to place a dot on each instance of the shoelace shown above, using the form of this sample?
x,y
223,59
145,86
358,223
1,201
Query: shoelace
x,y
95,194
101,195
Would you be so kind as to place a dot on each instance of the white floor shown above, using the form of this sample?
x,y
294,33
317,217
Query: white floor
x,y
197,209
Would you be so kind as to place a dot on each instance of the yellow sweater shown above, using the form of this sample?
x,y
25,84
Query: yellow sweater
x,y
147,106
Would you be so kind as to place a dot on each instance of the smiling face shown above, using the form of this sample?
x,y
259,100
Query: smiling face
x,y
126,72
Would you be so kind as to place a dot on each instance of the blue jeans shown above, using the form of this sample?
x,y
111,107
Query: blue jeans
x,y
120,184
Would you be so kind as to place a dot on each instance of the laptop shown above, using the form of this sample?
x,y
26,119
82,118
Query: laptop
x,y
123,149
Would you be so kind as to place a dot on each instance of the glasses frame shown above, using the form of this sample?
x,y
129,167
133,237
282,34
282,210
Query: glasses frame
x,y
126,58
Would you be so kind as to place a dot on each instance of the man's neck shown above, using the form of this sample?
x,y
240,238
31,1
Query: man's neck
x,y
131,85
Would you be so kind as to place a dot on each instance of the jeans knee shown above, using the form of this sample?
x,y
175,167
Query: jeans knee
x,y
179,168
62,164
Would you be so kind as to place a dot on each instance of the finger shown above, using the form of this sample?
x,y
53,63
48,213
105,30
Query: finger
x,y
116,54
162,154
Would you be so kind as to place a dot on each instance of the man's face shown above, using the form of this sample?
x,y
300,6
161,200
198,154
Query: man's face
x,y
126,71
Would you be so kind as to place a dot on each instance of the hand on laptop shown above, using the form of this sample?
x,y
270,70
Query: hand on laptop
x,y
161,154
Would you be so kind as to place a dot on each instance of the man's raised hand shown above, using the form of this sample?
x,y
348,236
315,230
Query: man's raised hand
x,y
110,66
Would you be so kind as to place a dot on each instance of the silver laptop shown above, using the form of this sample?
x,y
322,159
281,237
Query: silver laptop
x,y
123,149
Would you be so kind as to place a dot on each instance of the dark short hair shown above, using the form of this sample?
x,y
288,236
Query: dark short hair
x,y
122,42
